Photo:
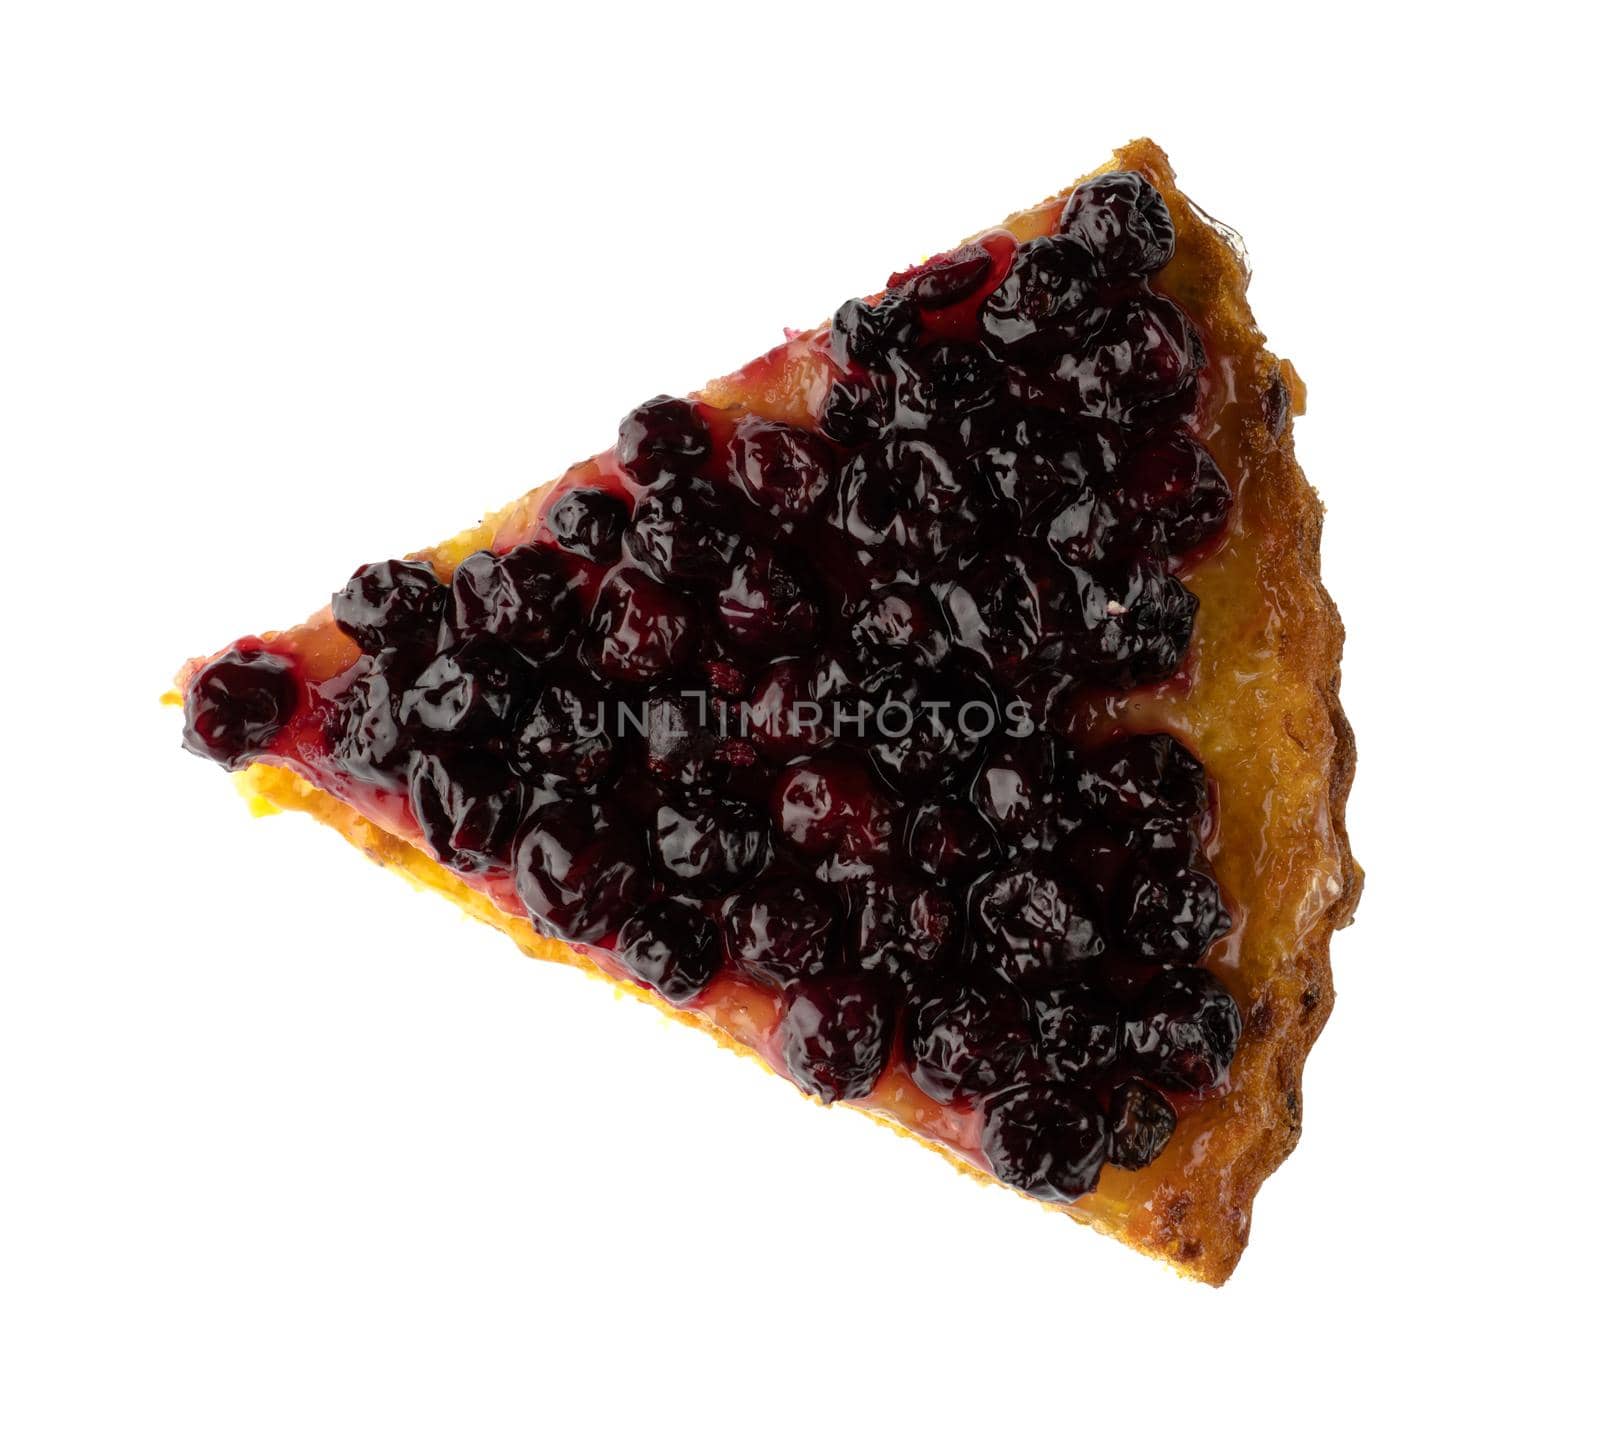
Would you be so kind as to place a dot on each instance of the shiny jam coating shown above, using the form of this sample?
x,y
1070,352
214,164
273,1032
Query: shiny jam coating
x,y
793,706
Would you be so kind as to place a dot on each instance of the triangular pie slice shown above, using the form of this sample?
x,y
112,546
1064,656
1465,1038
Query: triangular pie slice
x,y
942,708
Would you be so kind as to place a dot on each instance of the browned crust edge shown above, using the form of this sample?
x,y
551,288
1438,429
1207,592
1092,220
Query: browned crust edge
x,y
1200,1224
1204,1226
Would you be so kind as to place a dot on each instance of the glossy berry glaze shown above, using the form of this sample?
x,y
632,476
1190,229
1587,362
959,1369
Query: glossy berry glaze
x,y
800,724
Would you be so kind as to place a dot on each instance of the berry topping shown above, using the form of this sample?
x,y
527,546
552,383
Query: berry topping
x,y
681,744
867,335
1184,1031
764,608
363,725
580,873
1048,293
1170,915
672,947
828,806
1130,779
665,436
945,380
641,630
1046,1140
676,534
836,1034
237,704
467,805
784,716
1142,1123
1121,222
784,469
780,930
1172,492
904,929
946,279
1077,1033
1035,925
949,841
967,1043
521,597
564,736
471,691
589,523
1131,627
389,604
708,845
899,623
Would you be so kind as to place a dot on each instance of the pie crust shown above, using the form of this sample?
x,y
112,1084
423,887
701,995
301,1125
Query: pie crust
x,y
1258,703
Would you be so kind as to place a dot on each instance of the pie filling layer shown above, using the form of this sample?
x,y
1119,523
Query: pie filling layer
x,y
802,726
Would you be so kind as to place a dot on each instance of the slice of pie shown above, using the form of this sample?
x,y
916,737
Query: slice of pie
x,y
942,709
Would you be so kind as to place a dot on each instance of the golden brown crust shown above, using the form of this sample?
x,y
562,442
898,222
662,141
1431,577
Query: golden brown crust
x,y
1261,707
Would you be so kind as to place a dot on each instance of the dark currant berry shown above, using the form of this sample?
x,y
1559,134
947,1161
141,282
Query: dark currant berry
x,y
1142,1123
896,623
641,630
868,335
589,523
1184,1031
1172,491
473,691
682,737
1121,220
678,535
1077,1031
1038,461
764,608
1131,627
1097,858
467,805
666,436
780,929
1166,840
926,731
1049,292
998,611
1016,786
1082,529
390,604
708,845
673,948
950,841
785,718
235,706
968,1042
944,381
522,597
904,502
1129,780
783,469
1045,1140
566,736
946,279
903,930
1170,915
1276,405
836,1034
579,870
1035,925
363,724
1139,364
828,806
853,412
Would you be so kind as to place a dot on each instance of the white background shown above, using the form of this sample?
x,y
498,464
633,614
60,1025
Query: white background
x,y
288,287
